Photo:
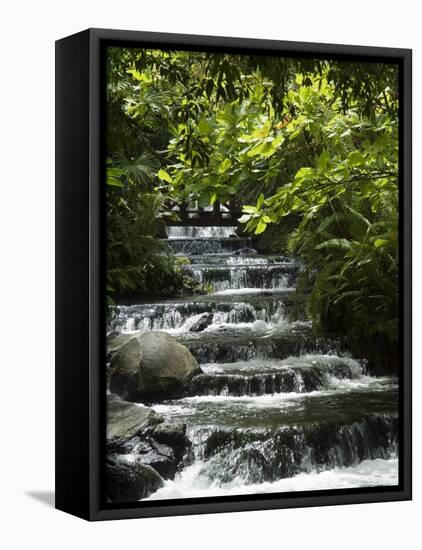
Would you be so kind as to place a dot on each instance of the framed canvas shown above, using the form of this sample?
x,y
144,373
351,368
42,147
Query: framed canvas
x,y
233,274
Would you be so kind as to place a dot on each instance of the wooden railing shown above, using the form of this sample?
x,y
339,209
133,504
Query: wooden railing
x,y
201,217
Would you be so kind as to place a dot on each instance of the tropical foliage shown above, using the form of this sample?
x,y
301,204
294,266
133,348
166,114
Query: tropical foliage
x,y
309,148
345,198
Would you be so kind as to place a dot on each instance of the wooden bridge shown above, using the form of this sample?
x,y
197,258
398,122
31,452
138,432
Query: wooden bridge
x,y
220,215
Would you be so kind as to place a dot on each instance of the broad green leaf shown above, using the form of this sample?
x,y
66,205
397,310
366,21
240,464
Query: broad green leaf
x,y
163,175
249,209
258,149
114,182
304,172
260,228
323,160
225,165
342,244
380,243
277,141
205,127
356,158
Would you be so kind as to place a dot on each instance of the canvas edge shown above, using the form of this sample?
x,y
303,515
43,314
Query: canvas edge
x,y
97,511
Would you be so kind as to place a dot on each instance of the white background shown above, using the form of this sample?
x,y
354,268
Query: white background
x,y
28,31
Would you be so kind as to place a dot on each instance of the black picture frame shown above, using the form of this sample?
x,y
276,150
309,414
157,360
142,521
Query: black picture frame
x,y
80,321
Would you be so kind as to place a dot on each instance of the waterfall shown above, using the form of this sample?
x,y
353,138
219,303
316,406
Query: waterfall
x,y
192,232
202,245
277,407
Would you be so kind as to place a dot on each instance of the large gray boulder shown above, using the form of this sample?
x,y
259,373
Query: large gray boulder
x,y
125,420
115,340
128,479
152,366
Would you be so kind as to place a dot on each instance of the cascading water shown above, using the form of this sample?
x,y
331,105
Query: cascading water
x,y
192,232
276,408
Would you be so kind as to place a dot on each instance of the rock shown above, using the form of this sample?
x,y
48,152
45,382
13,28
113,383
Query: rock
x,y
115,340
152,366
127,479
135,445
163,459
132,432
174,435
124,420
202,323
245,251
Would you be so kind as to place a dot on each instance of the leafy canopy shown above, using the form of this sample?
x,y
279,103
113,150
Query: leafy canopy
x,y
307,144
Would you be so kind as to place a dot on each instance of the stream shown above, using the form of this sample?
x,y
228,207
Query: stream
x,y
278,408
